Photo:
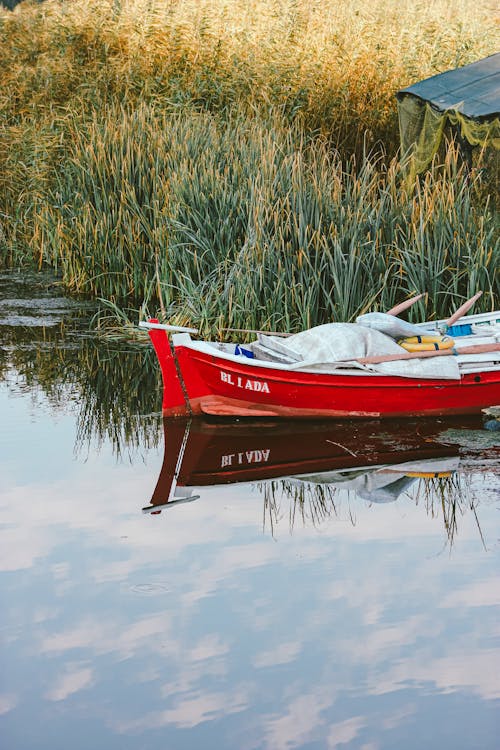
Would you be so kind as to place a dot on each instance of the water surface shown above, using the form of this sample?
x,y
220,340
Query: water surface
x,y
303,586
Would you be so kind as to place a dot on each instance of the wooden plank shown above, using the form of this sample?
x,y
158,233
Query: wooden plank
x,y
378,359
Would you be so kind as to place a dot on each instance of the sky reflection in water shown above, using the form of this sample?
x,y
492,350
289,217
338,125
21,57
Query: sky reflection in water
x,y
240,620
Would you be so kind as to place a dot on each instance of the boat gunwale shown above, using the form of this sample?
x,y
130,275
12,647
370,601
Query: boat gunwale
x,y
210,349
343,376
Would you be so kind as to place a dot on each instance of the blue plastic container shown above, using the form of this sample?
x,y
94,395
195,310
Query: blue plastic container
x,y
462,330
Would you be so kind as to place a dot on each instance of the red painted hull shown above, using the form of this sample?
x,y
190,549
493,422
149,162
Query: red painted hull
x,y
251,451
217,386
199,453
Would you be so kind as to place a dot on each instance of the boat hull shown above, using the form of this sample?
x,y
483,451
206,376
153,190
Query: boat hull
x,y
223,387
202,453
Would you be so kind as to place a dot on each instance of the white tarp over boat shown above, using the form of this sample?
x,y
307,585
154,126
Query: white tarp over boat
x,y
381,484
334,346
392,326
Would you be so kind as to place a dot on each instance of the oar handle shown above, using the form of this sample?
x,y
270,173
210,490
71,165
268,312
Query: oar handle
x,y
463,309
404,305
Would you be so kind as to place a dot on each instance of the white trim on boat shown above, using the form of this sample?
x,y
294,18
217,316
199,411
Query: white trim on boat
x,y
165,327
466,362
476,319
211,348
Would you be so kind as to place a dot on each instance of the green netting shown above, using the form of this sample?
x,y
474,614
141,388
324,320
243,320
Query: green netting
x,y
421,129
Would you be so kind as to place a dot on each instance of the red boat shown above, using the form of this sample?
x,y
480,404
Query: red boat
x,y
199,453
213,378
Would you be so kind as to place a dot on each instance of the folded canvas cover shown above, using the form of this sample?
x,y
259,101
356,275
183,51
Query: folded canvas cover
x,y
330,347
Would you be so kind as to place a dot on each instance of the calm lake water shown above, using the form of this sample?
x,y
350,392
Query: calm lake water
x,y
304,586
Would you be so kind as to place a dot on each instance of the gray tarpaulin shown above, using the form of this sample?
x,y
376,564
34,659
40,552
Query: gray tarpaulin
x,y
467,98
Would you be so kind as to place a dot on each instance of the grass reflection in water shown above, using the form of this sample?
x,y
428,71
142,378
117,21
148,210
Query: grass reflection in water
x,y
307,479
114,389
449,497
47,349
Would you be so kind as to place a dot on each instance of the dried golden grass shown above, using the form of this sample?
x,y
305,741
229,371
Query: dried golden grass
x,y
336,66
88,89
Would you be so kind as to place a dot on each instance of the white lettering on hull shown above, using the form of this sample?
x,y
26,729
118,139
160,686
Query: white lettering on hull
x,y
259,386
246,458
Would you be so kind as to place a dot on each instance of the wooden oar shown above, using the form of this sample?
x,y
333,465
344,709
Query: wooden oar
x,y
153,323
393,311
462,310
379,358
404,305
252,330
396,310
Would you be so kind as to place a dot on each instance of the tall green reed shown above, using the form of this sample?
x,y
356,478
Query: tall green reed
x,y
70,70
236,224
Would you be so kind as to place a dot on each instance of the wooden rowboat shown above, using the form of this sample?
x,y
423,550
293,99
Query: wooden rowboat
x,y
203,377
199,453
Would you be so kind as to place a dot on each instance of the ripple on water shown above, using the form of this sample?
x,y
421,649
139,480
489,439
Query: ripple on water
x,y
149,589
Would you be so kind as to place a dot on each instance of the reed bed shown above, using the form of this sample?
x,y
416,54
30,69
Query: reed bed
x,y
113,388
232,224
450,497
335,64
222,161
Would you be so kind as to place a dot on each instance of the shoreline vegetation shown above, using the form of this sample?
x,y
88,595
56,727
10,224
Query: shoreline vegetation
x,y
231,163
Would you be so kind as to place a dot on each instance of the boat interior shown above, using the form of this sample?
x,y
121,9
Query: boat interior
x,y
278,352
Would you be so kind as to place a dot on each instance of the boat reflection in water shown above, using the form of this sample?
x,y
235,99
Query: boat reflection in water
x,y
374,461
